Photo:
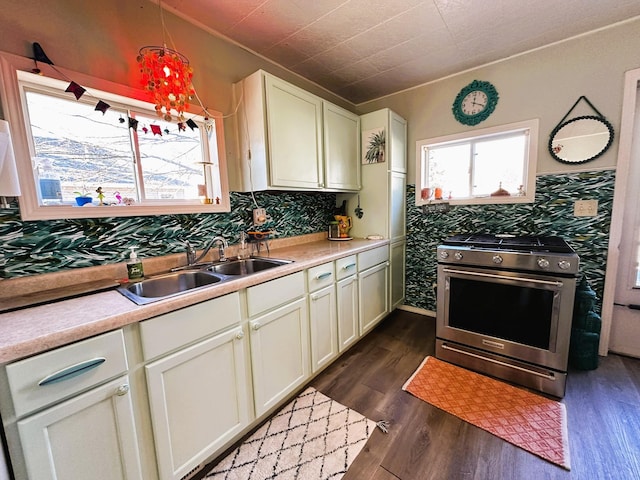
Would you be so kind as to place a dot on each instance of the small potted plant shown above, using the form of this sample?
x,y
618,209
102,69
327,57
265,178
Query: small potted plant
x,y
83,197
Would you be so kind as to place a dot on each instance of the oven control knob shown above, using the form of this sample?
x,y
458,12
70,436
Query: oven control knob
x,y
444,254
497,259
458,255
543,263
564,264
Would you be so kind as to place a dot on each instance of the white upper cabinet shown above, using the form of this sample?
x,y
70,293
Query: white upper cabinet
x,y
341,148
290,139
294,136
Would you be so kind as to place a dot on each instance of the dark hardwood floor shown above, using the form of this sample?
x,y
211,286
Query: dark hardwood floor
x,y
423,442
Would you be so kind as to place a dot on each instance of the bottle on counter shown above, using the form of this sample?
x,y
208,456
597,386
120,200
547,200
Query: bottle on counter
x,y
243,248
134,266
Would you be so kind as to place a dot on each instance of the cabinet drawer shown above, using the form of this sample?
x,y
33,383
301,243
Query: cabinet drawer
x,y
176,329
320,276
51,376
346,266
372,257
268,295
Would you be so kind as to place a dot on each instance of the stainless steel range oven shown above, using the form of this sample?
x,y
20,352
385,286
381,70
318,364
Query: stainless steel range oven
x,y
505,305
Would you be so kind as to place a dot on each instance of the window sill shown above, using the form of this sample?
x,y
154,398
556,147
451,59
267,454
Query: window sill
x,y
498,200
55,212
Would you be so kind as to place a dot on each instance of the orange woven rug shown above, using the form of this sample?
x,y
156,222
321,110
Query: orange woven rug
x,y
529,421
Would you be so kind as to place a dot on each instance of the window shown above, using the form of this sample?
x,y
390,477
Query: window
x,y
66,148
492,165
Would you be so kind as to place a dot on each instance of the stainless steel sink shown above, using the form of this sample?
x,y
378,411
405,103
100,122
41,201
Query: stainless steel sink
x,y
163,286
187,279
246,266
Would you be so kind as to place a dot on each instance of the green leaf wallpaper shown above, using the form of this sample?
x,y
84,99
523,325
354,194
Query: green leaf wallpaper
x,y
550,214
30,248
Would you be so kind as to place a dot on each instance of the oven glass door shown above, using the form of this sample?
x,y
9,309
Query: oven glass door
x,y
504,305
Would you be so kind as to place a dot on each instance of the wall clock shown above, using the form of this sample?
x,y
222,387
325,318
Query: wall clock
x,y
475,102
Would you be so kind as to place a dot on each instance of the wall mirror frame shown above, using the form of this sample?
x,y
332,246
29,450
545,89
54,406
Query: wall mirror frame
x,y
580,139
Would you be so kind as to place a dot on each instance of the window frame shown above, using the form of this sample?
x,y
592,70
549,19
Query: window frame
x,y
14,108
529,180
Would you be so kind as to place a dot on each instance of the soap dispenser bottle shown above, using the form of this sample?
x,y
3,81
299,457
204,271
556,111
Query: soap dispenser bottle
x,y
134,266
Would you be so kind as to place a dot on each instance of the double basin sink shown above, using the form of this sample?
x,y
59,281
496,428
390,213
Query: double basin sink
x,y
171,284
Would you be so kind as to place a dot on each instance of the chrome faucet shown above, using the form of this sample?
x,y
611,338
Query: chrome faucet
x,y
192,257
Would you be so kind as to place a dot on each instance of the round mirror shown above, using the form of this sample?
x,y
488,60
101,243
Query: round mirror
x,y
580,139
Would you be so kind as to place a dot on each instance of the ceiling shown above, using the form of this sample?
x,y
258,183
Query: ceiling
x,y
366,49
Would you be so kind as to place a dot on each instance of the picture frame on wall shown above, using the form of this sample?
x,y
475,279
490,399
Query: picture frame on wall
x,y
373,145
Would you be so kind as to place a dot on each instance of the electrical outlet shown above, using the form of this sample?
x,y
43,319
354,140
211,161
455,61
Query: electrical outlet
x,y
585,208
259,216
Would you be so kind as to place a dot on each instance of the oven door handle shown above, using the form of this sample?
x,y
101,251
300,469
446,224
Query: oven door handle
x,y
502,277
548,376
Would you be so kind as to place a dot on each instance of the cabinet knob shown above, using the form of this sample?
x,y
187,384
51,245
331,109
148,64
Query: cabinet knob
x,y
256,325
122,389
240,335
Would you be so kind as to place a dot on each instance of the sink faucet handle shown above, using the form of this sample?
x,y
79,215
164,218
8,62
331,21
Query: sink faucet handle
x,y
191,253
221,254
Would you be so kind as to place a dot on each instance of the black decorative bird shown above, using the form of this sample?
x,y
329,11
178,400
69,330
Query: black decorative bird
x,y
39,55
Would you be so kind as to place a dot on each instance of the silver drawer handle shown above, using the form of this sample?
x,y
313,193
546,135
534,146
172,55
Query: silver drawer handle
x,y
348,266
72,371
322,276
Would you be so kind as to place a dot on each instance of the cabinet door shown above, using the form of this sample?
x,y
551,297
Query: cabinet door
x,y
398,142
294,124
397,206
397,273
324,327
347,299
279,353
373,296
89,436
198,400
341,148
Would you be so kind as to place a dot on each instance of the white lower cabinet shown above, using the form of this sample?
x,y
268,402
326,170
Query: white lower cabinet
x,y
198,399
324,327
347,300
279,353
397,273
373,287
68,413
322,315
89,436
197,382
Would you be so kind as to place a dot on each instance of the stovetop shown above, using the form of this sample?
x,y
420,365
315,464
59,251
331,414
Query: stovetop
x,y
540,254
511,242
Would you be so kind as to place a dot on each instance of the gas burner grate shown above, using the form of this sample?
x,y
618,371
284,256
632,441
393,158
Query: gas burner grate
x,y
510,242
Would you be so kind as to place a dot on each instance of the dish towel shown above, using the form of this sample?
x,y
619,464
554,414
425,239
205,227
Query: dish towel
x,y
9,186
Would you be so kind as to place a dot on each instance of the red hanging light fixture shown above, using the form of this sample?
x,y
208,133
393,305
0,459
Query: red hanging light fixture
x,y
167,75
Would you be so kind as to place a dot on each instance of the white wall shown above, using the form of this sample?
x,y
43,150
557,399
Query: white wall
x,y
541,84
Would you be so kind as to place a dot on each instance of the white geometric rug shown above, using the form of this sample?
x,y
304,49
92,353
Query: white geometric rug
x,y
311,438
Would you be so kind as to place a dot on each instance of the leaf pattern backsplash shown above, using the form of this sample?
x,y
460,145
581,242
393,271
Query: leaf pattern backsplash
x,y
550,214
30,248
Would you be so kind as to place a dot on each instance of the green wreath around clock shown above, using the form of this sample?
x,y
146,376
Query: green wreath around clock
x,y
475,102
